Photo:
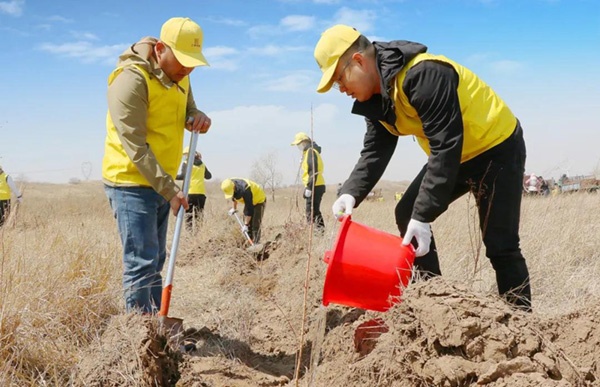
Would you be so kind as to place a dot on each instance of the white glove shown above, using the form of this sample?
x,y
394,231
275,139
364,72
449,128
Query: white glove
x,y
231,211
245,229
307,193
343,205
421,231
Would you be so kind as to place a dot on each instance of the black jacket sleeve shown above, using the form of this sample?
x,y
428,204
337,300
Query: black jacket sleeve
x,y
378,149
313,167
242,191
248,203
431,88
181,174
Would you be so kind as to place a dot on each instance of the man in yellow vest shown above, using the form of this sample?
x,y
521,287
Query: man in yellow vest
x,y
150,101
253,197
197,191
7,189
312,178
473,141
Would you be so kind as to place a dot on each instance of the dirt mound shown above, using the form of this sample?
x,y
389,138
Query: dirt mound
x,y
132,351
444,335
577,336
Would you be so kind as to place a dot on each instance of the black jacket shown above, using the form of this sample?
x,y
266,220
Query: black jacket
x,y
197,163
431,88
313,165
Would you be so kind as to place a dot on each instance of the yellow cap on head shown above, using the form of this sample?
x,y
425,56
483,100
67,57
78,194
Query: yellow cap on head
x,y
184,37
227,187
186,151
299,137
334,42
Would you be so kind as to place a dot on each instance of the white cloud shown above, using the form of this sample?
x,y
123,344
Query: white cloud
x,y
85,51
506,67
219,51
362,20
15,31
298,22
329,2
44,27
300,81
222,64
227,21
57,18
83,35
13,7
291,23
478,58
497,66
273,50
261,30
220,58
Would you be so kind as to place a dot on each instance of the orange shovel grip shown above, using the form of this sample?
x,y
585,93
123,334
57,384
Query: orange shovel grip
x,y
165,300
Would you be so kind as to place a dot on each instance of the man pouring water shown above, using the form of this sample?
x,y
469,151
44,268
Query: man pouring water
x,y
473,141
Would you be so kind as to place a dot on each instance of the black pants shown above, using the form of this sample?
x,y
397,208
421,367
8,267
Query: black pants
x,y
4,211
256,222
313,207
495,179
195,210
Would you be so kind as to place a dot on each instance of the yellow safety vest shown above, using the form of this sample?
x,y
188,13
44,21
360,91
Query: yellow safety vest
x,y
5,191
487,120
320,180
258,194
165,125
197,182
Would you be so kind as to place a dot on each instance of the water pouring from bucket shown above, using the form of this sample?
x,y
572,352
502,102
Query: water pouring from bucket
x,y
367,268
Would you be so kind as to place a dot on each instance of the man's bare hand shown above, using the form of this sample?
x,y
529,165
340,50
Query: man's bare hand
x,y
199,123
178,201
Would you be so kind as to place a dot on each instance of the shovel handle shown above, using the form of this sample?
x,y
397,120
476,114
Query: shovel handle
x,y
242,229
165,300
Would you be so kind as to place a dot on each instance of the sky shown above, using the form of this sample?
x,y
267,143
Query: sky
x,y
541,56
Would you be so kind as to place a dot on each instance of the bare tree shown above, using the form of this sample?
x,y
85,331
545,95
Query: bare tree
x,y
264,171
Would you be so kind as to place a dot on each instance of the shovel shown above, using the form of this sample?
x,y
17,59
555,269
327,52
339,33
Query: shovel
x,y
173,325
254,247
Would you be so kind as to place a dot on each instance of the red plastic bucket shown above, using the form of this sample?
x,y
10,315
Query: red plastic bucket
x,y
367,268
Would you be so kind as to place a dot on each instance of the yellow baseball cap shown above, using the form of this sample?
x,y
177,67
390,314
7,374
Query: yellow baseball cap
x,y
186,151
334,42
299,137
227,187
184,37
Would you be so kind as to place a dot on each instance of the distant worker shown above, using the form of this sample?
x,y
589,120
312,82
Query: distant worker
x,y
544,188
254,199
197,190
7,189
532,184
312,178
398,196
150,101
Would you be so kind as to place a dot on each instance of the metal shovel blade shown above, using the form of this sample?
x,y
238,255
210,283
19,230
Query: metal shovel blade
x,y
255,248
172,328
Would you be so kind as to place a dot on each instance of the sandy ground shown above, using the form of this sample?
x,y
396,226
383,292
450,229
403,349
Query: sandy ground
x,y
246,334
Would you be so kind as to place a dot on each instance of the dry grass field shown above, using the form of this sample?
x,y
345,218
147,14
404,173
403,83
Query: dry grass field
x,y
62,320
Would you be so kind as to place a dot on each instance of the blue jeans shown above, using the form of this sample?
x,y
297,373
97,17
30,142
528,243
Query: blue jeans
x,y
142,218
